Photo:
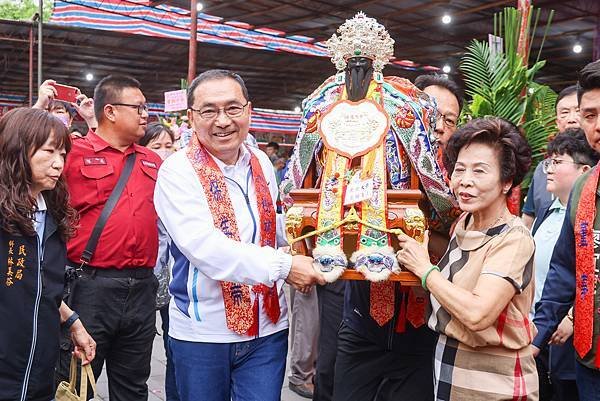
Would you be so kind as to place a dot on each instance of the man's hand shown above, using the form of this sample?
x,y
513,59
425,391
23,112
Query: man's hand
x,y
46,94
563,332
85,346
302,275
85,108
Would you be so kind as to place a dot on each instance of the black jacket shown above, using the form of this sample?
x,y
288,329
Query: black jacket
x,y
413,341
30,295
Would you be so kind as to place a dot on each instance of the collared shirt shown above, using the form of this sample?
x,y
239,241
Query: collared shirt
x,y
39,219
545,238
130,236
538,197
204,256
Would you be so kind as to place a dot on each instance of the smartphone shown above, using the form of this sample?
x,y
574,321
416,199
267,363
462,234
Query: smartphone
x,y
66,93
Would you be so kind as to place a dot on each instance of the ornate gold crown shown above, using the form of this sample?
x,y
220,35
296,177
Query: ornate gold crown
x,y
361,36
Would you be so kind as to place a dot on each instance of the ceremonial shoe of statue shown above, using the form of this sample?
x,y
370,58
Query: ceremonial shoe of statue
x,y
376,265
330,261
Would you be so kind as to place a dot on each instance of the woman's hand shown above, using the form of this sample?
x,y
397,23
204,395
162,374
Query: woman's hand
x,y
563,332
46,94
414,255
85,108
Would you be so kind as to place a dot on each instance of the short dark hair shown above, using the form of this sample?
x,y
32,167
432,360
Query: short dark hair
x,y
108,91
273,145
423,81
589,79
212,75
572,142
59,104
153,131
568,91
513,150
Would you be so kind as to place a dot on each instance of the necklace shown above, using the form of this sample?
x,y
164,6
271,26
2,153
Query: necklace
x,y
490,225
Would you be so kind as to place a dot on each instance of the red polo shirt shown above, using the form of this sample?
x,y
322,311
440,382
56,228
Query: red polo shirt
x,y
130,236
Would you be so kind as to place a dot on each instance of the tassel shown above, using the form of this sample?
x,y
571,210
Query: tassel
x,y
253,330
271,304
401,323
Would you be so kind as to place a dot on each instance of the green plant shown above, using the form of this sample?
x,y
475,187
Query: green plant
x,y
501,84
22,10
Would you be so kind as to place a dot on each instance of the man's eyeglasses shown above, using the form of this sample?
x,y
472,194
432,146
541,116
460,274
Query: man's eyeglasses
x,y
449,122
232,111
554,163
141,108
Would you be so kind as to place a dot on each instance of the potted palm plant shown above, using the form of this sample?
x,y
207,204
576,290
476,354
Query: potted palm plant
x,y
500,82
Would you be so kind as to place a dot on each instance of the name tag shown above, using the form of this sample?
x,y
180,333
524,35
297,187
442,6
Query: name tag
x,y
149,164
358,190
94,161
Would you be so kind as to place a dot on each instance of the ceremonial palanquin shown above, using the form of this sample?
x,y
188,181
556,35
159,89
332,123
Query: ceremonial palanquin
x,y
364,166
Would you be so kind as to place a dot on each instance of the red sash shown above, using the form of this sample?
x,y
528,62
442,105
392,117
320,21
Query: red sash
x,y
241,315
585,267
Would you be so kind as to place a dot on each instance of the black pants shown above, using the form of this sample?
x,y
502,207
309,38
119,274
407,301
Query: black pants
x,y
552,388
365,371
331,308
120,314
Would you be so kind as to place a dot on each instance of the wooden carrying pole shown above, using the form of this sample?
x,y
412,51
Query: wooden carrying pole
x,y
193,41
524,6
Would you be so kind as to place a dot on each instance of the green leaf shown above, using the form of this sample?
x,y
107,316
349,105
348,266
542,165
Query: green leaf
x,y
24,9
499,84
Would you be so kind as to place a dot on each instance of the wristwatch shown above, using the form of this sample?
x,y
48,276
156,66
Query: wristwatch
x,y
69,322
570,315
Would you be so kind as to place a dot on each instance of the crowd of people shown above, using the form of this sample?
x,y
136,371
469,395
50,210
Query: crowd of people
x,y
102,229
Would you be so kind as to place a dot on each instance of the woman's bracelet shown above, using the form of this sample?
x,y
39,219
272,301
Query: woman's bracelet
x,y
424,278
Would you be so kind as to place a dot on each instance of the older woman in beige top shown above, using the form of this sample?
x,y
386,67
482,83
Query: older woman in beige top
x,y
482,291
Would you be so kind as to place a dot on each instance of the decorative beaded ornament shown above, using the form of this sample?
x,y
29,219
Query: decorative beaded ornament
x,y
361,36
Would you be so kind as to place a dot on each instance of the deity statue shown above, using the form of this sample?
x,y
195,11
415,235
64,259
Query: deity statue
x,y
363,135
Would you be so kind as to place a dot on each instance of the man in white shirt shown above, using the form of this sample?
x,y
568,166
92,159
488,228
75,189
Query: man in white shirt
x,y
228,316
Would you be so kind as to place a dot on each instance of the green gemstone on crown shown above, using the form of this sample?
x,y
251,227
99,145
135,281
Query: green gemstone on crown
x,y
357,52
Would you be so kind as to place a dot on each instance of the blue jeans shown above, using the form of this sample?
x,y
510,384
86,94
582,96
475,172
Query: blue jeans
x,y
246,371
588,383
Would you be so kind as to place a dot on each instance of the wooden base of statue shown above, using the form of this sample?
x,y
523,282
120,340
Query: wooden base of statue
x,y
301,220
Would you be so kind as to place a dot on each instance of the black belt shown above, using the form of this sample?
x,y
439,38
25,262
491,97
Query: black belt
x,y
111,272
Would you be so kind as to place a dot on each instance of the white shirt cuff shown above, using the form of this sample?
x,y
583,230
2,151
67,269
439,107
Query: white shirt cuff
x,y
281,265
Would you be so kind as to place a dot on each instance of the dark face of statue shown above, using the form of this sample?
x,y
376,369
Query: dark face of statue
x,y
359,71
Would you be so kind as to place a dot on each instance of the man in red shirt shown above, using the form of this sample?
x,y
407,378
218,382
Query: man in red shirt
x,y
115,292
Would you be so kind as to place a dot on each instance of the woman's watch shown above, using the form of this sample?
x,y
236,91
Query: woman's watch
x,y
69,322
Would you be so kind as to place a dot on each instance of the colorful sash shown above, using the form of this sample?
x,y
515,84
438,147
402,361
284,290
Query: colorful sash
x,y
585,267
374,258
241,315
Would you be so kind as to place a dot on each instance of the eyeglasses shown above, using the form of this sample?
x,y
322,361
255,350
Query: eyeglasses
x,y
231,111
141,108
554,163
449,122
